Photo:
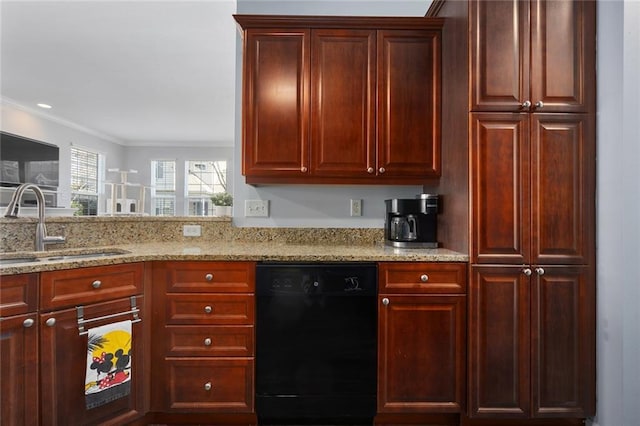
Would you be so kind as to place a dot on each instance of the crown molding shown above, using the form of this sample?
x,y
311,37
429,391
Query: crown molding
x,y
58,120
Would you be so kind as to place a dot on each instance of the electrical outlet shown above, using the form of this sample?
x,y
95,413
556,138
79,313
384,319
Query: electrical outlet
x,y
256,208
191,230
356,207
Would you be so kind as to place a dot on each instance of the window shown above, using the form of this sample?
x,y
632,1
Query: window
x,y
203,179
163,182
84,181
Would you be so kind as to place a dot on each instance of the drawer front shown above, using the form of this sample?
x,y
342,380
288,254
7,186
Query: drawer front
x,y
213,385
210,277
416,277
217,340
89,285
222,309
18,294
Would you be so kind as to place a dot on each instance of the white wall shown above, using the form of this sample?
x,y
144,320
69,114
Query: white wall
x,y
139,158
316,205
618,234
35,125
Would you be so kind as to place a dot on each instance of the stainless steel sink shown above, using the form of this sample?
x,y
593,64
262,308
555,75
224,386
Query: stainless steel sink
x,y
12,260
83,255
59,257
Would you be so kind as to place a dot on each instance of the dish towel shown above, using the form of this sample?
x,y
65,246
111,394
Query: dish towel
x,y
108,373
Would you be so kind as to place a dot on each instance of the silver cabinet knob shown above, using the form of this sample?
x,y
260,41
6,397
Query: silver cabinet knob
x,y
381,170
385,301
208,277
96,284
208,309
527,271
370,170
303,169
207,342
539,104
540,271
28,323
526,104
424,278
207,386
50,322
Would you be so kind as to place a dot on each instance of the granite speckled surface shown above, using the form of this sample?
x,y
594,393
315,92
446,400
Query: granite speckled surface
x,y
148,239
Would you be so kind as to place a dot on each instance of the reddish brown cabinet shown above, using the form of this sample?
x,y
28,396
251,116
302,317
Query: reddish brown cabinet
x,y
529,103
204,315
532,55
19,387
531,342
421,338
340,100
533,188
73,302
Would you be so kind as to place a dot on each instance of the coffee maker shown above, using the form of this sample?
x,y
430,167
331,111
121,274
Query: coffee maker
x,y
412,223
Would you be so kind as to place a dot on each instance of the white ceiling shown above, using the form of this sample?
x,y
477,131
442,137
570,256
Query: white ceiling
x,y
140,72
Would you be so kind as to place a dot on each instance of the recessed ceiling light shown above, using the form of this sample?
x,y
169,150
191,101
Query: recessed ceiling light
x,y
45,106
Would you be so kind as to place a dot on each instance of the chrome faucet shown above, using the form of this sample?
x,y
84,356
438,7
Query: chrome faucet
x,y
41,230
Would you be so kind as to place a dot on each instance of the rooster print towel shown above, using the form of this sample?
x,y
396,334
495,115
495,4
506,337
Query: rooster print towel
x,y
108,373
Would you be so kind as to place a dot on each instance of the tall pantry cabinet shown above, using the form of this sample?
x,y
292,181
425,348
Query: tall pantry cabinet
x,y
531,116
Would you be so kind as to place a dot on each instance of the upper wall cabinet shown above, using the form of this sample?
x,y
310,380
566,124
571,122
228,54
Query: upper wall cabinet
x,y
340,100
532,55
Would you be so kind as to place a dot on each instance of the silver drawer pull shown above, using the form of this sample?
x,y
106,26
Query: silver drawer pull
x,y
51,322
424,278
96,284
207,386
207,342
208,309
208,277
385,301
28,323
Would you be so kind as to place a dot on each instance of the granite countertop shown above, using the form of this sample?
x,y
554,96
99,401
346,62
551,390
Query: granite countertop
x,y
224,251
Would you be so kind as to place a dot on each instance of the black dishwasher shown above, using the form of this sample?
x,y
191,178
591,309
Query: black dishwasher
x,y
316,343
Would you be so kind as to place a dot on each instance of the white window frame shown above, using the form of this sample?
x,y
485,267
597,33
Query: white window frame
x,y
99,177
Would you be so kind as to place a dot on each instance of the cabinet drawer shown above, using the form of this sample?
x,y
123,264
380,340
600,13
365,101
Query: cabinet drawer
x,y
223,309
89,285
217,340
18,294
410,277
214,277
215,385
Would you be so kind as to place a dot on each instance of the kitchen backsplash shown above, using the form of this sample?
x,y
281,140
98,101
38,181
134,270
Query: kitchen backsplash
x,y
19,234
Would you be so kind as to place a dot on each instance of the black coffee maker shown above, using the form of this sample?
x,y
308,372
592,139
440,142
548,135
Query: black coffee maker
x,y
412,222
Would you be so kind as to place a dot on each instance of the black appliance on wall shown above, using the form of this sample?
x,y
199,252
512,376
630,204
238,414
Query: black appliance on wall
x,y
412,222
316,343
24,160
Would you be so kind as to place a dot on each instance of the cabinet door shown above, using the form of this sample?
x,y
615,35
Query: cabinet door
x,y
421,354
275,103
63,357
563,55
343,102
500,188
499,32
499,343
563,342
408,103
19,369
563,189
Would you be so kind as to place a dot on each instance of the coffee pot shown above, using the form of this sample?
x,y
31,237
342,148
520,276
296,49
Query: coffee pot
x,y
412,222
403,228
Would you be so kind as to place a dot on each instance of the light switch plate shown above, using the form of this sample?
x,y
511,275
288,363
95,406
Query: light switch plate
x,y
256,208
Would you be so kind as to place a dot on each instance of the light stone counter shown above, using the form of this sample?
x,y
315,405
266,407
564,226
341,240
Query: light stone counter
x,y
230,251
